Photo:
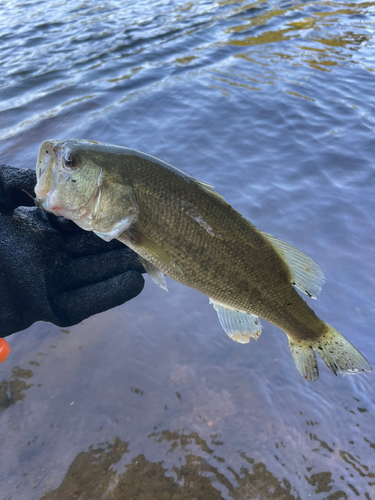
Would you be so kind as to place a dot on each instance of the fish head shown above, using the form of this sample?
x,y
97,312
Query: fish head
x,y
75,180
67,181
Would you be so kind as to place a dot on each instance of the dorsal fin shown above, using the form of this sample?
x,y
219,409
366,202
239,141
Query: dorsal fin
x,y
307,275
209,188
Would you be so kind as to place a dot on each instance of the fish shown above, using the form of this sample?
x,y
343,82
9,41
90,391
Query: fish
x,y
182,228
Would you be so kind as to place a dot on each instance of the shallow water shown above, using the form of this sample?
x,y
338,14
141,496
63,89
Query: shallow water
x,y
273,103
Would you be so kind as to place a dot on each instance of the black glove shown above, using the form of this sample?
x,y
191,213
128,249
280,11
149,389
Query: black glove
x,y
50,269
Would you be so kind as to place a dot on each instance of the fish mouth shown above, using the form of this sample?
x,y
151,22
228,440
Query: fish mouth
x,y
81,215
47,169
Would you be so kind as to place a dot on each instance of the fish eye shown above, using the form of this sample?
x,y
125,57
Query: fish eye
x,y
70,159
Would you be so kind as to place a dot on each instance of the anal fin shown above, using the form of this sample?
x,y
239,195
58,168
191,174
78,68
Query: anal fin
x,y
238,325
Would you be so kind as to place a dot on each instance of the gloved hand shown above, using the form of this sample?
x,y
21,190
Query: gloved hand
x,y
50,269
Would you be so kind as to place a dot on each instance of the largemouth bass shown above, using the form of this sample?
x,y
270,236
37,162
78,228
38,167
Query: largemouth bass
x,y
180,227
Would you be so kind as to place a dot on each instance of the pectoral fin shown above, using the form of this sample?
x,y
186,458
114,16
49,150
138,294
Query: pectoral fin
x,y
153,249
157,276
306,274
238,325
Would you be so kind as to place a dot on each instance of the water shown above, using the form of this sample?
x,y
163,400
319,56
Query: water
x,y
273,103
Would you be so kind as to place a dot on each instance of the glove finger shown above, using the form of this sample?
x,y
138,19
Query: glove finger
x,y
98,267
12,181
79,242
63,224
77,305
83,243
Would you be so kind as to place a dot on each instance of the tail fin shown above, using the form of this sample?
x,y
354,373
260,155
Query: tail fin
x,y
337,353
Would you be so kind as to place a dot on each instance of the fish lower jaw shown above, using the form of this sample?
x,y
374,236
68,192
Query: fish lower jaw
x,y
74,215
45,204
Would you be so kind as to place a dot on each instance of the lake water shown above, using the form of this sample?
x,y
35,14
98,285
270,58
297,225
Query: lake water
x,y
273,103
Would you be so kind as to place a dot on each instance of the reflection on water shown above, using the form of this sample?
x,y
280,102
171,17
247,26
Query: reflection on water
x,y
273,103
109,53
92,474
201,462
12,391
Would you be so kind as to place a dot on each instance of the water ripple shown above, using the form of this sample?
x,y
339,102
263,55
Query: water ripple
x,y
273,103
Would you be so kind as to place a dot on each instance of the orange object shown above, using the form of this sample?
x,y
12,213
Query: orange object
x,y
4,350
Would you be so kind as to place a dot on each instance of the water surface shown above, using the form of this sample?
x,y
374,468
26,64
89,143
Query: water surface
x,y
273,103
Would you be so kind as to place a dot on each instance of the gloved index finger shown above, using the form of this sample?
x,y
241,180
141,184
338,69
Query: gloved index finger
x,y
81,243
12,182
92,269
